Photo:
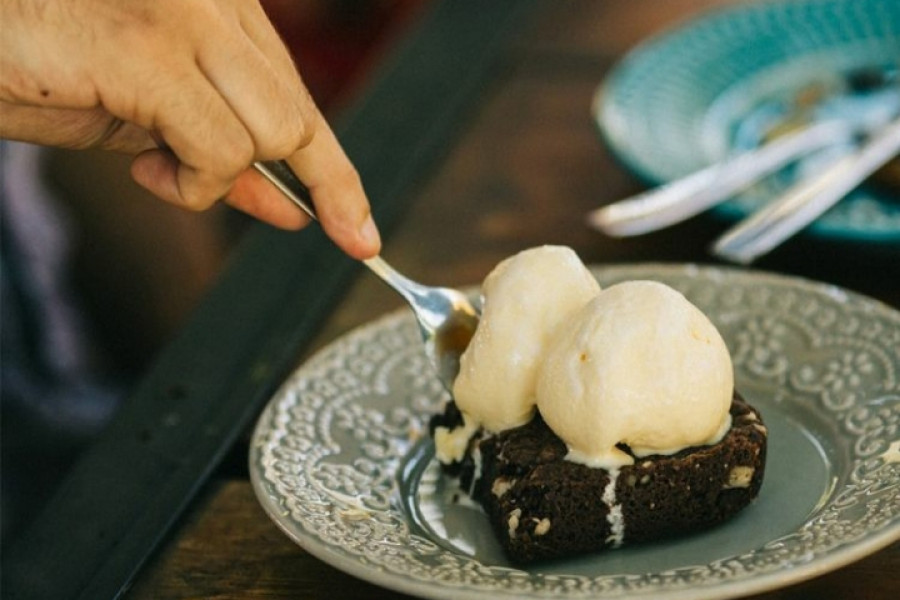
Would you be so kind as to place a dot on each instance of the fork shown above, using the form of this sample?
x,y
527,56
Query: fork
x,y
805,201
683,198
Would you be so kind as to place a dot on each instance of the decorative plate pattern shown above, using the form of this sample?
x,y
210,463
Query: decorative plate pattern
x,y
691,96
342,463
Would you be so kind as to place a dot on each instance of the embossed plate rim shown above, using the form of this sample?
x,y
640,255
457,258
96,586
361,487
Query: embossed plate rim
x,y
392,577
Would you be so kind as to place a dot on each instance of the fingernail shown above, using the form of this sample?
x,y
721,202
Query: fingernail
x,y
369,232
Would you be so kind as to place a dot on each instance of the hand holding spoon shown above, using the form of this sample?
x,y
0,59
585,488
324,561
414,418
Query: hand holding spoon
x,y
445,316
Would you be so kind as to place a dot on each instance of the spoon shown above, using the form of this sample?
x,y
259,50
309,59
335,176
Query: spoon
x,y
445,316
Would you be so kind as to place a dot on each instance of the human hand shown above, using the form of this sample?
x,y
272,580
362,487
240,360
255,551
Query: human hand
x,y
210,80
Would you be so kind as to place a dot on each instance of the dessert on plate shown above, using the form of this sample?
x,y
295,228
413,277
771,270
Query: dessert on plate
x,y
584,419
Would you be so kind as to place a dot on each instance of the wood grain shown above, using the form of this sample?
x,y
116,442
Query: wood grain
x,y
228,549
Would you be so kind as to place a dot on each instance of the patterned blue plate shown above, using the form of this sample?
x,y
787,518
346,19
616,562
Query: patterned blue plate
x,y
691,96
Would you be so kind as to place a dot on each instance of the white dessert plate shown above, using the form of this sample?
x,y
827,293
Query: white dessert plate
x,y
340,458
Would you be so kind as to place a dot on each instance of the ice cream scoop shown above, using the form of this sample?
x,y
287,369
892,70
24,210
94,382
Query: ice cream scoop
x,y
525,298
638,365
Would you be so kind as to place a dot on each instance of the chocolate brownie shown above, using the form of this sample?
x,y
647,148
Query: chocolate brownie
x,y
542,506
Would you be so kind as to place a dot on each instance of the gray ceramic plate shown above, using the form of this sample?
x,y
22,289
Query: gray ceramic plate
x,y
690,97
341,462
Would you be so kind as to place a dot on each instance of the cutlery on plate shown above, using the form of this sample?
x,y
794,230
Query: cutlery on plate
x,y
446,317
806,200
683,198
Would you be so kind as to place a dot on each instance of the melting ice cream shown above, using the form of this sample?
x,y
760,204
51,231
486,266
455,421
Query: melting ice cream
x,y
634,364
638,365
524,301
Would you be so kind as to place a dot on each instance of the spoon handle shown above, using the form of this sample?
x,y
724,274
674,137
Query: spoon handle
x,y
283,177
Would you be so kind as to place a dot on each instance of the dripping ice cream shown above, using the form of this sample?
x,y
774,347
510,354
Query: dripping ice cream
x,y
635,364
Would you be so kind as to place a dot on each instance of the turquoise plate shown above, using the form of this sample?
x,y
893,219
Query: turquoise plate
x,y
691,96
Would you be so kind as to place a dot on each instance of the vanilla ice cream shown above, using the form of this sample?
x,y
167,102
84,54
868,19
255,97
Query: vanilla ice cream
x,y
635,364
638,365
525,298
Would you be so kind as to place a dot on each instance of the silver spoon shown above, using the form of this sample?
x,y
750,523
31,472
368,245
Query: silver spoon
x,y
446,318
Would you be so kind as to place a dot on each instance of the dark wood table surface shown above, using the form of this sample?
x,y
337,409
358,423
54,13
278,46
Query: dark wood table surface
x,y
522,167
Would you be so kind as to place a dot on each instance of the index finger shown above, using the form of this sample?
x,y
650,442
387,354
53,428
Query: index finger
x,y
337,192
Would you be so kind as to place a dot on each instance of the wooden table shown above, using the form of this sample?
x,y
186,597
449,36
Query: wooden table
x,y
519,166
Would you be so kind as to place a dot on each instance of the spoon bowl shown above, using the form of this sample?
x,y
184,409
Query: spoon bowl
x,y
446,318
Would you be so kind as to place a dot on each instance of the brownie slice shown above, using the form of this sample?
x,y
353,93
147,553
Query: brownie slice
x,y
542,506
